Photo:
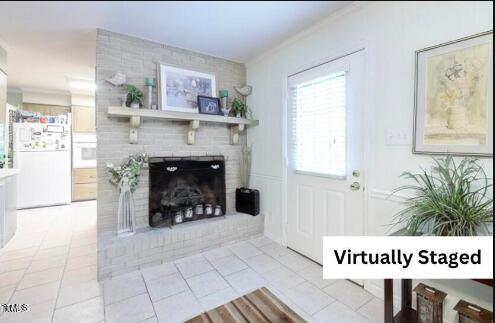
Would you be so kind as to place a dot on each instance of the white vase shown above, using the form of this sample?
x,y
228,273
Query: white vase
x,y
456,117
225,112
126,218
123,100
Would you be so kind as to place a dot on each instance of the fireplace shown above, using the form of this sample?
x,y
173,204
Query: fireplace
x,y
183,189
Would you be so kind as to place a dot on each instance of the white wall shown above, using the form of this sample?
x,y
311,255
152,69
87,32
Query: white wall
x,y
3,95
390,32
14,98
17,97
3,58
46,97
83,100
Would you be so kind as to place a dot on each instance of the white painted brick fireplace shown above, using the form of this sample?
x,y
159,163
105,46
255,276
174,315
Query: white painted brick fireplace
x,y
137,59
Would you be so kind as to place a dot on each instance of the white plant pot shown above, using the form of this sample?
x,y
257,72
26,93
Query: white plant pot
x,y
134,105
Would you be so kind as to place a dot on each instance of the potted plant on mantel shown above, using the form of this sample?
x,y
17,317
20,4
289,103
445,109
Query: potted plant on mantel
x,y
452,199
134,98
239,107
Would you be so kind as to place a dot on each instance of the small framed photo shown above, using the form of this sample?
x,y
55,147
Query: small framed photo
x,y
209,105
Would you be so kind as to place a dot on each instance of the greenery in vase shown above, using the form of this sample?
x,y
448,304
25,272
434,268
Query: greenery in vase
x,y
245,166
239,107
134,95
129,169
452,199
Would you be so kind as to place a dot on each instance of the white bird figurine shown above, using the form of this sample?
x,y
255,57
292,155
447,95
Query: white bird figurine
x,y
244,90
118,79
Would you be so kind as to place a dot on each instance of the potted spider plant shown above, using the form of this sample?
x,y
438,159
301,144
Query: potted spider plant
x,y
451,199
134,98
239,107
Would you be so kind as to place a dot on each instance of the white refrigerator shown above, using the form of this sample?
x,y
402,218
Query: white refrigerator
x,y
42,153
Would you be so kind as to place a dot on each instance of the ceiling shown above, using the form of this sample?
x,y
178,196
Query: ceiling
x,y
49,43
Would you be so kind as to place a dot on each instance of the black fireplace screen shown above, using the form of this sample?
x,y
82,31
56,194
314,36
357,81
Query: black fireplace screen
x,y
183,189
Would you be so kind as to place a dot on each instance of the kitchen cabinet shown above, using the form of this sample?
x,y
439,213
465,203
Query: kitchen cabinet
x,y
8,217
46,109
83,119
84,175
83,184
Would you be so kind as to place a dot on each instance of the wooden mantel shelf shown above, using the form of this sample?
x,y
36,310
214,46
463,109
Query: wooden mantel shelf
x,y
194,119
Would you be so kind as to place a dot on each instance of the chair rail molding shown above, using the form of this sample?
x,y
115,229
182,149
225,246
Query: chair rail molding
x,y
388,195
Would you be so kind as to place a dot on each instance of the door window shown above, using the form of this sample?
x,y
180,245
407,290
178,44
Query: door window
x,y
318,124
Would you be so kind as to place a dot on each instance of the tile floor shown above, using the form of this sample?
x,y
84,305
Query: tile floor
x,y
51,265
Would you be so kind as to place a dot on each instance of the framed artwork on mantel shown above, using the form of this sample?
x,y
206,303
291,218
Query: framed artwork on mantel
x,y
454,98
179,88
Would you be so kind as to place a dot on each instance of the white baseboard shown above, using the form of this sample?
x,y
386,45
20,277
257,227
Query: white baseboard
x,y
271,236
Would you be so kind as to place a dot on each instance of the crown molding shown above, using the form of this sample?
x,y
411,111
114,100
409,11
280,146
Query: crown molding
x,y
352,7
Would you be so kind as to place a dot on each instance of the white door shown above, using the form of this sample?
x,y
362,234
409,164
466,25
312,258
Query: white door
x,y
325,152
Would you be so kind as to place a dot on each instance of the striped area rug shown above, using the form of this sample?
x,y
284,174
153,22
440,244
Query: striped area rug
x,y
259,306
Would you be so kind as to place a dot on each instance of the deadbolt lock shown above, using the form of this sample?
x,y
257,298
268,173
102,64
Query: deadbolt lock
x,y
355,186
356,173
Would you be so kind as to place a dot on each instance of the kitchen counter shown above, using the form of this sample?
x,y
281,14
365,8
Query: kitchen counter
x,y
8,201
8,172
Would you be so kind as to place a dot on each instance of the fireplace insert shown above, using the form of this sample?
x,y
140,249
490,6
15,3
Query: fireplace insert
x,y
183,189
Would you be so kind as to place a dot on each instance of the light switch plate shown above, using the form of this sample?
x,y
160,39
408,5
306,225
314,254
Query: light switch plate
x,y
398,137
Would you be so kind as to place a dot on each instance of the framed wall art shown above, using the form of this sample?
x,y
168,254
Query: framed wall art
x,y
454,98
179,88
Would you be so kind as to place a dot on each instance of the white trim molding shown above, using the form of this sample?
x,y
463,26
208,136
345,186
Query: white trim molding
x,y
266,176
388,195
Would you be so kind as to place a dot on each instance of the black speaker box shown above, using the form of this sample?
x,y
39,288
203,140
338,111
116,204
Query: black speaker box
x,y
247,201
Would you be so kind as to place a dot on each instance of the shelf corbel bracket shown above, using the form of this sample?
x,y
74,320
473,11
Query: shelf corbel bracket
x,y
134,123
235,132
191,133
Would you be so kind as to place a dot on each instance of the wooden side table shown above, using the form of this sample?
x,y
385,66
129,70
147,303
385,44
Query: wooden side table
x,y
407,314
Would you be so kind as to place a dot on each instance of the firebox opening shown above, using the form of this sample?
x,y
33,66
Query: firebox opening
x,y
184,189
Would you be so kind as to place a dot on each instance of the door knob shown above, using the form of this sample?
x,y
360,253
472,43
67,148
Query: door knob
x,y
355,186
356,173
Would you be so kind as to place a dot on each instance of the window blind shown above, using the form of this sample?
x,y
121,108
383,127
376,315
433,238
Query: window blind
x,y
317,120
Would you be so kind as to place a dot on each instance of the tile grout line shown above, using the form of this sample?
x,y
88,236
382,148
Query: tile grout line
x,y
185,280
103,299
123,299
215,270
38,248
304,281
25,270
224,277
218,273
63,273
149,296
367,302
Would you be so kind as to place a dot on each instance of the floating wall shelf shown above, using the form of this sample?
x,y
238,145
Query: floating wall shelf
x,y
237,125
